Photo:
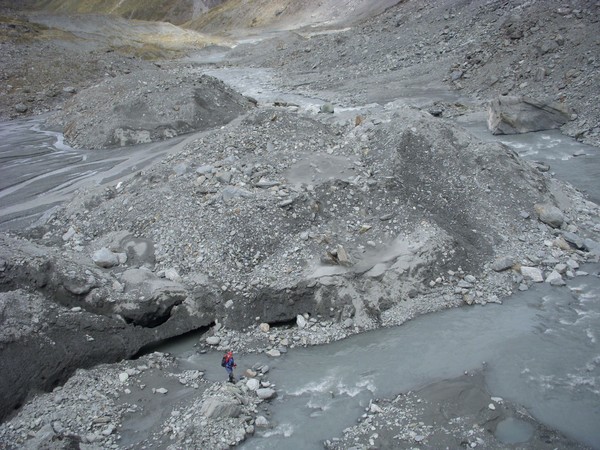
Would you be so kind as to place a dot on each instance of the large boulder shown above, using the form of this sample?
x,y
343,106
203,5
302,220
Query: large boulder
x,y
155,298
550,215
519,114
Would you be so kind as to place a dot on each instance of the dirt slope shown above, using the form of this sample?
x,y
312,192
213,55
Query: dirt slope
x,y
174,11
235,15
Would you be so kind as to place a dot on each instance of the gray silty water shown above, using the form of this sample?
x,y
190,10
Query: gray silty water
x,y
39,171
568,159
513,431
539,350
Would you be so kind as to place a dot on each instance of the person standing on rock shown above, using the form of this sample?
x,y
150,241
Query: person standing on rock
x,y
229,364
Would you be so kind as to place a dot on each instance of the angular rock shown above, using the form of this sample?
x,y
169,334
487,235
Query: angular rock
x,y
300,321
261,421
264,327
342,256
105,258
532,273
274,353
555,278
591,246
213,340
513,115
573,239
504,263
219,407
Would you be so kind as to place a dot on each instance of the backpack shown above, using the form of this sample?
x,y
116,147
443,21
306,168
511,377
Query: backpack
x,y
224,361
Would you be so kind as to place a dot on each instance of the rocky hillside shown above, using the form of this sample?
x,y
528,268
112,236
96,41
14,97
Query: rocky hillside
x,y
546,50
232,16
174,11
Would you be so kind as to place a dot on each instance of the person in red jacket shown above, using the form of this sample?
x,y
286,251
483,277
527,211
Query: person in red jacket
x,y
229,364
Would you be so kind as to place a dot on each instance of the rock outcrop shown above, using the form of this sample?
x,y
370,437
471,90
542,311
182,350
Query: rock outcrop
x,y
512,115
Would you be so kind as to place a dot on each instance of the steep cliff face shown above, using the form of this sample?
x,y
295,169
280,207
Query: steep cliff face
x,y
220,16
288,14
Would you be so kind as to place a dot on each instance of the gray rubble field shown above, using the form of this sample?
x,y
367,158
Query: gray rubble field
x,y
283,225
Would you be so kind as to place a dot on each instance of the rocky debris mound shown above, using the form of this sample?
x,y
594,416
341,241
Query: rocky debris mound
x,y
146,107
286,213
512,115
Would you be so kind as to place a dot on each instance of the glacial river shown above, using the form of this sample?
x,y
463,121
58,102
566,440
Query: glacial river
x,y
540,349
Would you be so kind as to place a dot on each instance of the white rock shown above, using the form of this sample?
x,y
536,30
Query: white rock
x,y
264,327
171,274
253,384
300,321
554,278
213,340
532,273
122,257
492,406
265,393
161,391
261,421
273,352
375,409
123,377
105,258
